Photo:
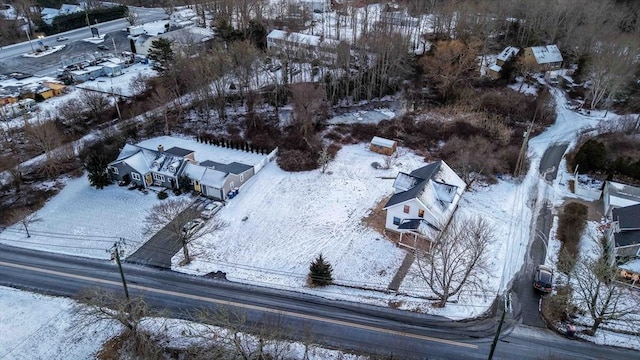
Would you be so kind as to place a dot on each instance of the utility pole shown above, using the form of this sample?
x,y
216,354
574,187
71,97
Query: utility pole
x,y
507,307
115,254
523,148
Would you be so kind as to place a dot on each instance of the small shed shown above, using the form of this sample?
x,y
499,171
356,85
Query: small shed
x,y
383,146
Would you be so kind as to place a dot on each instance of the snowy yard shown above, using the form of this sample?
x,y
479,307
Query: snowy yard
x,y
81,220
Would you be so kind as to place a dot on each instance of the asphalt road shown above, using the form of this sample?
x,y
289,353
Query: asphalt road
x,y
11,56
345,325
551,161
527,299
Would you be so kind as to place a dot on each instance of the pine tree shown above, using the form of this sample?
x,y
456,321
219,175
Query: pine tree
x,y
320,272
161,54
96,167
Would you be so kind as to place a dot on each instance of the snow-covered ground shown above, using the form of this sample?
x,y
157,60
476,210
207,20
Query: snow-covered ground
x,y
42,327
82,220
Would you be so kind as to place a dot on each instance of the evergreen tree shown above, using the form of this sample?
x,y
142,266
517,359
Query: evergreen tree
x,y
96,166
161,54
320,272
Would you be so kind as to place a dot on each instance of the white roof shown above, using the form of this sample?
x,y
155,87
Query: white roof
x,y
382,142
300,38
507,53
495,67
546,54
203,152
205,175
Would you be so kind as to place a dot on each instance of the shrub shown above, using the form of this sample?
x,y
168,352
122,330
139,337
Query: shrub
x,y
571,224
297,160
320,272
162,195
591,157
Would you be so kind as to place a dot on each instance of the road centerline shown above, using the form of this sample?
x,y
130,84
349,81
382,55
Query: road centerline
x,y
241,305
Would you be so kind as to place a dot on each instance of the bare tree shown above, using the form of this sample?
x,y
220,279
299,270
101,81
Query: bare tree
x,y
72,113
173,215
457,259
597,292
96,103
308,101
609,68
240,337
133,17
325,158
139,84
45,137
101,308
452,63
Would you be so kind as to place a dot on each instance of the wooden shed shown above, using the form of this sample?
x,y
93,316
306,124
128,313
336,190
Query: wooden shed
x,y
383,146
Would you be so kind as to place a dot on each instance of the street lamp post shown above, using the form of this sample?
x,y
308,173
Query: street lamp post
x,y
30,43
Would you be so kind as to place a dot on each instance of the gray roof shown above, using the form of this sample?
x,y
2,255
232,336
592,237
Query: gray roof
x,y
626,238
178,151
428,171
425,173
628,217
624,191
232,168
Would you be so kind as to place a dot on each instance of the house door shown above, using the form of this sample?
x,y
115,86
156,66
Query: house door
x,y
148,179
196,185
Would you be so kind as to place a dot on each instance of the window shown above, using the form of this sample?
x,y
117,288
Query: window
x,y
135,176
241,177
113,170
396,220
421,213
407,208
158,177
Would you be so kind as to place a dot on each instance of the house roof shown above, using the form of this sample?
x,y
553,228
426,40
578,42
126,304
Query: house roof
x,y
232,168
626,238
546,54
627,217
495,67
382,142
144,160
178,151
628,195
508,53
301,38
414,185
206,176
49,11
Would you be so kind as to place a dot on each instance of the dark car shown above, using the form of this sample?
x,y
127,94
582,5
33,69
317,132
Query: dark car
x,y
103,47
543,279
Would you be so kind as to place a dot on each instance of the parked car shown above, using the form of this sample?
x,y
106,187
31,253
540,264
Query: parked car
x,y
103,47
211,209
62,38
543,279
192,226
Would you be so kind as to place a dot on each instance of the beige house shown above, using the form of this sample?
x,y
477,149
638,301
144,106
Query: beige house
x,y
542,58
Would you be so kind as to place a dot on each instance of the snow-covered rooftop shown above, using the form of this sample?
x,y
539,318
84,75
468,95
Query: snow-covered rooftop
x,y
546,54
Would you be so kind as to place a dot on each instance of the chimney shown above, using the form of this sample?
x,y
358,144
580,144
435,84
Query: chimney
x,y
160,148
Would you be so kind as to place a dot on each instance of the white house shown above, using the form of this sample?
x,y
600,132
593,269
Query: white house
x,y
302,45
424,200
622,220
